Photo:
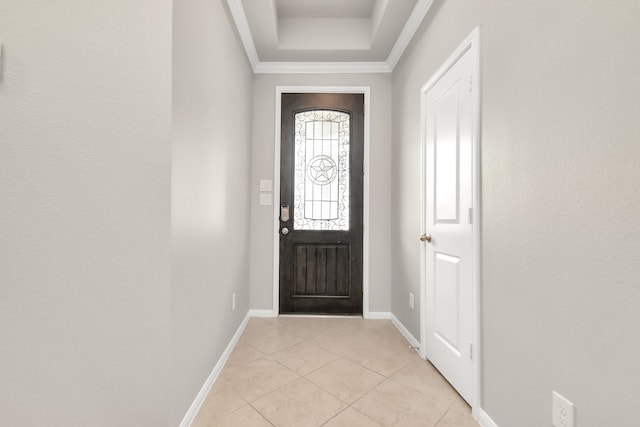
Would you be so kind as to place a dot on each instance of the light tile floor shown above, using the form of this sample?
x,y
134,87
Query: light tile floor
x,y
331,372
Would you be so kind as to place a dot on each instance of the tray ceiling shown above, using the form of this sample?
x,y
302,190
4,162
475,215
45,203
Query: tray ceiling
x,y
326,35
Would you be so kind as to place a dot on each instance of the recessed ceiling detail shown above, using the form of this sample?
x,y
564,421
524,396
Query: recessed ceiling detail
x,y
326,35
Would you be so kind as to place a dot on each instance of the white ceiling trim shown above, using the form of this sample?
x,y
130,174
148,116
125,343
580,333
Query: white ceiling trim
x,y
272,67
409,30
237,12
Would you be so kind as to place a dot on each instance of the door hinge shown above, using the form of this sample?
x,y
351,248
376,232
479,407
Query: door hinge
x,y
471,351
470,83
470,215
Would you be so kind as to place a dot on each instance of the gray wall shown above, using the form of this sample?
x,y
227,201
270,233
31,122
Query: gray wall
x,y
89,324
561,200
85,110
262,217
212,100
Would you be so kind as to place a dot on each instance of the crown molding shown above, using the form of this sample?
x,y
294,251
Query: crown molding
x,y
274,67
239,17
409,30
320,67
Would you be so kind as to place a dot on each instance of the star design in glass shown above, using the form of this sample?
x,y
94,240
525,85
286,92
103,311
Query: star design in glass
x,y
322,170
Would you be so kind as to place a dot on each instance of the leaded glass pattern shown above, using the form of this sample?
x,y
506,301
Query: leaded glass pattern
x,y
321,180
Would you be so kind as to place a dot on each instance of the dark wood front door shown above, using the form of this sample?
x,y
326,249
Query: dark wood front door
x,y
321,198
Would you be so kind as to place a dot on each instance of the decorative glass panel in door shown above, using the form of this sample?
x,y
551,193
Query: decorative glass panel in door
x,y
321,183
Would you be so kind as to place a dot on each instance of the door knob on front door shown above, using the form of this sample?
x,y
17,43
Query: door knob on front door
x,y
285,231
425,238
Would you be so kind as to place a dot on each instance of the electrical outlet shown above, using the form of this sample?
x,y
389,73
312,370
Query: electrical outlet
x,y
233,302
411,300
562,411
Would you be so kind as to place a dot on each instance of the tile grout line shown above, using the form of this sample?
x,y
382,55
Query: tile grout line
x,y
334,416
262,415
365,415
387,340
444,414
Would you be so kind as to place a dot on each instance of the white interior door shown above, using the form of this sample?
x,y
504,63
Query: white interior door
x,y
449,198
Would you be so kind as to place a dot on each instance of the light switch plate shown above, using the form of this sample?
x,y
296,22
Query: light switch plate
x,y
266,185
265,200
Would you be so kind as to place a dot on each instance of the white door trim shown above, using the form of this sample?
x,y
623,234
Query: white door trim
x,y
365,90
471,44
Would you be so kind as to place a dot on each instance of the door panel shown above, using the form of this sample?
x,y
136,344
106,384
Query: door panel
x,y
449,198
447,288
446,157
322,270
321,183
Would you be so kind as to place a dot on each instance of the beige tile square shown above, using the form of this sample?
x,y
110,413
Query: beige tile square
x,y
345,379
373,325
242,354
458,415
243,417
389,336
304,327
385,360
217,404
351,418
379,331
273,340
346,325
339,342
258,325
423,377
396,405
299,404
258,378
304,357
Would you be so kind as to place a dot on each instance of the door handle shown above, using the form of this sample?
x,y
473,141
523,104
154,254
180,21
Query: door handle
x,y
285,230
425,238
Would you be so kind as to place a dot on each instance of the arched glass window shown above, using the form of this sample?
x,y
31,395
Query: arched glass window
x,y
321,182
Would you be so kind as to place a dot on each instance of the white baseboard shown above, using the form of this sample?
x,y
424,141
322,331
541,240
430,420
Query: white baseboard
x,y
390,316
262,313
217,369
483,419
404,331
378,315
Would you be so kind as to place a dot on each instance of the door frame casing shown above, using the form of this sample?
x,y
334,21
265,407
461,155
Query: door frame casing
x,y
470,44
360,90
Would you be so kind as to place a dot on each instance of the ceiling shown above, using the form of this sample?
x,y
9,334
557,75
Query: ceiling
x,y
321,36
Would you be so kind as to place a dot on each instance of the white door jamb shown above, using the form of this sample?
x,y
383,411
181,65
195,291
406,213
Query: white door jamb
x,y
365,90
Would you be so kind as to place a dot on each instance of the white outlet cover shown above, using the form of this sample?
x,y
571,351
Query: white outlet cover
x,y
562,411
